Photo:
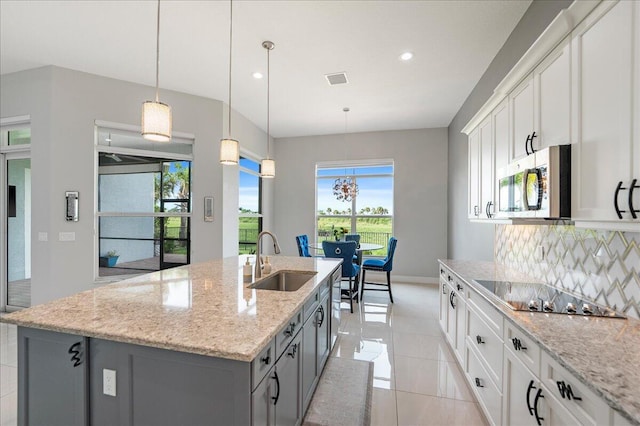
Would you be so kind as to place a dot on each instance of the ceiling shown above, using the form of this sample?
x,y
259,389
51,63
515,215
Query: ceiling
x,y
453,43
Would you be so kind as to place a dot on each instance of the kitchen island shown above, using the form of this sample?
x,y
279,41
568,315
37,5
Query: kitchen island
x,y
190,345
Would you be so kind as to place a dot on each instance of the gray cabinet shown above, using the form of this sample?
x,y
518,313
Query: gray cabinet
x,y
288,407
161,387
315,348
262,402
52,378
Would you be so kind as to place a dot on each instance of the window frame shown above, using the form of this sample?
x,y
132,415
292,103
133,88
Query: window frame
x,y
258,215
354,216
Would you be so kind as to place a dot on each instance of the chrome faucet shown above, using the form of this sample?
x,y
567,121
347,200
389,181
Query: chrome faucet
x,y
276,248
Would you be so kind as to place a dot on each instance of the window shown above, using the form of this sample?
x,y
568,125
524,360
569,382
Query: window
x,y
250,202
369,214
144,203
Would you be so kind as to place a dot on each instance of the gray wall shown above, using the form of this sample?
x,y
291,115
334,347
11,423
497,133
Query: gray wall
x,y
420,190
63,105
468,240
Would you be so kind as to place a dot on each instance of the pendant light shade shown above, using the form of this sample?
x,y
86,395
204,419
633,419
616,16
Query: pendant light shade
x,y
268,166
230,148
229,151
156,116
156,121
268,169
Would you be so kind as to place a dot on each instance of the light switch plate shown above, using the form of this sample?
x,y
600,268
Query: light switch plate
x,y
66,236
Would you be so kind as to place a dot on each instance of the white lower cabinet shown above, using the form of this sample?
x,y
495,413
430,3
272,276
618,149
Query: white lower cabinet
x,y
485,389
526,401
586,406
514,380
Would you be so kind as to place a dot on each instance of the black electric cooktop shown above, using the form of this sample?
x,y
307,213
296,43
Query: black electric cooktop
x,y
536,297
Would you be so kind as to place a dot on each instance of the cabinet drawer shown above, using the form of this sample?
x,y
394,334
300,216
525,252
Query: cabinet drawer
x,y
489,396
287,333
490,315
311,305
525,349
585,405
488,345
324,289
262,364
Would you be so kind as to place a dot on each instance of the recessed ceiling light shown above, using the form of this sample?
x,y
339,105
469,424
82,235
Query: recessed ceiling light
x,y
257,75
406,56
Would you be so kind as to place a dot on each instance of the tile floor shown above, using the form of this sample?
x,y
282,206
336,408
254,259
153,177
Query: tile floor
x,y
416,380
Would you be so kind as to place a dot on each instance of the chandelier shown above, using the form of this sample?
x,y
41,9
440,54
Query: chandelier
x,y
345,189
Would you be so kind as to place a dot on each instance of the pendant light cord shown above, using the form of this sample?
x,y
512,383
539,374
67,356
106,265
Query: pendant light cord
x,y
268,86
158,52
230,50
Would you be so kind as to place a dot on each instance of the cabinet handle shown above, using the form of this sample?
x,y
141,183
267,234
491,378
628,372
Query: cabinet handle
x,y
449,278
321,311
517,344
294,349
487,209
479,383
529,397
566,391
459,287
75,351
526,144
535,407
266,360
451,296
615,200
275,398
479,339
476,211
289,331
631,209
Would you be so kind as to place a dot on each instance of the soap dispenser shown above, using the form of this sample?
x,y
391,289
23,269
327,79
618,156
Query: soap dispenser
x,y
266,268
246,270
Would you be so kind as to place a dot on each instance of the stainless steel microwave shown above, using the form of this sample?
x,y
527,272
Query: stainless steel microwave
x,y
537,186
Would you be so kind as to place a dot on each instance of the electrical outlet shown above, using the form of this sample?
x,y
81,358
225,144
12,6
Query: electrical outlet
x,y
109,382
66,236
540,253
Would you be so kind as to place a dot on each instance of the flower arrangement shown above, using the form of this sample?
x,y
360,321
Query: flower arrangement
x,y
339,232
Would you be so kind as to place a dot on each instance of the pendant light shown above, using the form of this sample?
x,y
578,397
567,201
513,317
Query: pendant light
x,y
345,189
156,116
268,166
230,148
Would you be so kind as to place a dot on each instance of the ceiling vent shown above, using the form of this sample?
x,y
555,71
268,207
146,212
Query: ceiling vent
x,y
336,78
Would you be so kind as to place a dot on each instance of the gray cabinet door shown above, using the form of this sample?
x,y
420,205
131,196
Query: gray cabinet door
x,y
287,371
262,401
324,338
309,359
52,378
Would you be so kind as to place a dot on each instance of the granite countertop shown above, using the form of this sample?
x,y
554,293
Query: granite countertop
x,y
604,353
203,308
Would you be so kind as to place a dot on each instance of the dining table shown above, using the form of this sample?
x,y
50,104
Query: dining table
x,y
360,249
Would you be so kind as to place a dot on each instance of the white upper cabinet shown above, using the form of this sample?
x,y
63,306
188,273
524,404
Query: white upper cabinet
x,y
552,98
521,106
486,169
604,122
474,175
500,123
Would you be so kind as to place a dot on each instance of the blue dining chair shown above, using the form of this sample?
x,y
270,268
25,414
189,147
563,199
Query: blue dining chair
x,y
356,238
380,265
345,250
303,245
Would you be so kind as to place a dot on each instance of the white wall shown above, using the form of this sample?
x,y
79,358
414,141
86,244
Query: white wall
x,y
420,188
63,105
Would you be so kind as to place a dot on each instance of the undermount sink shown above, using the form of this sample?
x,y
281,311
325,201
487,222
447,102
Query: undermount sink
x,y
284,281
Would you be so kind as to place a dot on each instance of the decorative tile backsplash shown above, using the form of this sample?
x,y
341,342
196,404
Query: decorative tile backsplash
x,y
600,265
